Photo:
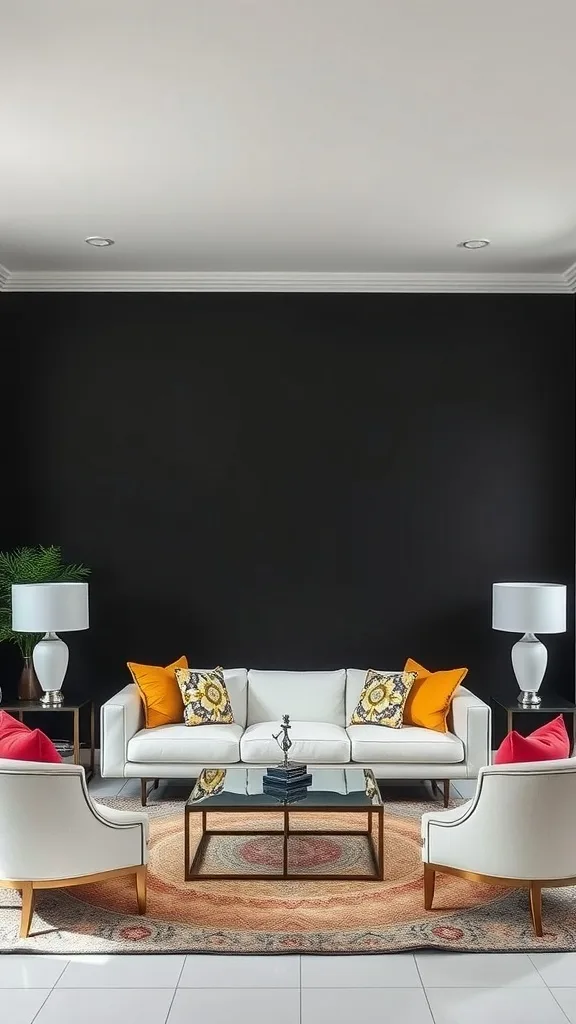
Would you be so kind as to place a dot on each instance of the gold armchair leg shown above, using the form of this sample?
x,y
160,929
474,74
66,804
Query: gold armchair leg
x,y
536,907
446,786
27,909
429,883
141,889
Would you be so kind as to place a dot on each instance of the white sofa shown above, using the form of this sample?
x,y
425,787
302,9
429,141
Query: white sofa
x,y
320,705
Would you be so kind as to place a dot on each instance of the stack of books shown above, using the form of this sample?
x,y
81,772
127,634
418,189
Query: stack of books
x,y
287,784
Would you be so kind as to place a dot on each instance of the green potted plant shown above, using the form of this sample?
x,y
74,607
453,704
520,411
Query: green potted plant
x,y
30,565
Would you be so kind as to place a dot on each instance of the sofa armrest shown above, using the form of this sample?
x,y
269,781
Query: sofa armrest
x,y
121,718
471,721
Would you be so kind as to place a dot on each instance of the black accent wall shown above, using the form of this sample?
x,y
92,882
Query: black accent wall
x,y
297,481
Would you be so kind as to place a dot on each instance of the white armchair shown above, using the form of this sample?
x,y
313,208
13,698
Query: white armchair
x,y
54,835
518,831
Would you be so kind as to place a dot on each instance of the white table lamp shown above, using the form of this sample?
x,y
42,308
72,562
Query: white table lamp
x,y
48,608
529,608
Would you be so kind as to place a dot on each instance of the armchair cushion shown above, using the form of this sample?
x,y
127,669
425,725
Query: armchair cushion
x,y
548,743
9,724
19,743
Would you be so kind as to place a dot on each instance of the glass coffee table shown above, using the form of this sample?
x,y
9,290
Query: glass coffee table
x,y
220,792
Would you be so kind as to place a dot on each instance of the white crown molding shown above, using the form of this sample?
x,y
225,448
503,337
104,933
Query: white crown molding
x,y
570,277
4,277
121,281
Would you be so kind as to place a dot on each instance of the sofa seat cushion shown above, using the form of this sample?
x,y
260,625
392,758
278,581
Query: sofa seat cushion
x,y
204,744
312,743
374,744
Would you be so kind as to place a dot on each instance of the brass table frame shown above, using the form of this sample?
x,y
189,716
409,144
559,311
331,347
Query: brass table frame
x,y
286,812
24,707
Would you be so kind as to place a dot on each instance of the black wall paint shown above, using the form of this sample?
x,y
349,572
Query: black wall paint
x,y
299,481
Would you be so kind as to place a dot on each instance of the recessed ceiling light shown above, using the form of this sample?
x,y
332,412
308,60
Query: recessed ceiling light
x,y
98,241
474,243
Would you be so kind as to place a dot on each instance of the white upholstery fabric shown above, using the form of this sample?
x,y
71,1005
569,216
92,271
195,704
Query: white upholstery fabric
x,y
450,815
312,742
305,696
521,823
120,718
56,831
471,720
384,770
207,744
355,679
411,744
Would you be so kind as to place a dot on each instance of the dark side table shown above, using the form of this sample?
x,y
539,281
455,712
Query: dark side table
x,y
551,704
80,709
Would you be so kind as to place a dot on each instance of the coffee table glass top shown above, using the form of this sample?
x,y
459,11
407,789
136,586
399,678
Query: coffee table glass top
x,y
241,789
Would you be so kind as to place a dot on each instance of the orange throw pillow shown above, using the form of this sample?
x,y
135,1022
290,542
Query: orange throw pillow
x,y
430,696
160,693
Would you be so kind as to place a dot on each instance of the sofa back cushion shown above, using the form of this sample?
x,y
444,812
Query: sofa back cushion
x,y
305,696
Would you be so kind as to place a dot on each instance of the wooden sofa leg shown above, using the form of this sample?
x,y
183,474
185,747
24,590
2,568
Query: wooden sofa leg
x,y
536,908
141,889
156,783
143,791
429,883
27,909
446,786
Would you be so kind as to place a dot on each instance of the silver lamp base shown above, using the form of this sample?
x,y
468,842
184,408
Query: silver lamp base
x,y
52,698
529,699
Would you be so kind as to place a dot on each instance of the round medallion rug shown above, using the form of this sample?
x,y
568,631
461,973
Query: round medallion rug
x,y
259,916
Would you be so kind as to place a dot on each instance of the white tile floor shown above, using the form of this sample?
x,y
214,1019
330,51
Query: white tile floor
x,y
427,988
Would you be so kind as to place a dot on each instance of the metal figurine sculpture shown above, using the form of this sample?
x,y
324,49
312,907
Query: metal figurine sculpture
x,y
285,743
289,781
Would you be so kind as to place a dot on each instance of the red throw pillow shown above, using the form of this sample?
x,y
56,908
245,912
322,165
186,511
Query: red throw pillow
x,y
548,743
8,724
19,743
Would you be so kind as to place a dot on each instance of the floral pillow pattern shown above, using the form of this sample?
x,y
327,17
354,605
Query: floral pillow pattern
x,y
206,699
383,698
210,782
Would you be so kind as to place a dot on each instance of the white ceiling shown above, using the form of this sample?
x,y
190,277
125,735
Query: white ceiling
x,y
288,135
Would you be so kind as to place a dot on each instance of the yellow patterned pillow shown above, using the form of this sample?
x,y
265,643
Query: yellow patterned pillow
x,y
210,782
206,700
383,698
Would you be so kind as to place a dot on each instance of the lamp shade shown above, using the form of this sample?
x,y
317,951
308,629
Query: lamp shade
x,y
529,607
49,607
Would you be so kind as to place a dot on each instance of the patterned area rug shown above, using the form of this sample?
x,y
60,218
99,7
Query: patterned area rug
x,y
287,916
